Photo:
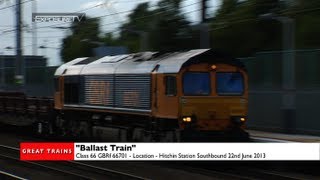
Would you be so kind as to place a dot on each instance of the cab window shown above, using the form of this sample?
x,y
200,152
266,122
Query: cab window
x,y
229,83
171,85
196,84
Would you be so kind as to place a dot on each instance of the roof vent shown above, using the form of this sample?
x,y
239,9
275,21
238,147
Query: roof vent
x,y
144,56
87,61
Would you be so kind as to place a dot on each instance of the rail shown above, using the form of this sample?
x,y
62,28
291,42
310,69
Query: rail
x,y
71,168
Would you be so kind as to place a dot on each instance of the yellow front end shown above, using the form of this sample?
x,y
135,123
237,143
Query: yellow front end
x,y
214,98
212,113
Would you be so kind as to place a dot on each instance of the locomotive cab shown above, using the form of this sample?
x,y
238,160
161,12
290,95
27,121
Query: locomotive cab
x,y
213,98
207,96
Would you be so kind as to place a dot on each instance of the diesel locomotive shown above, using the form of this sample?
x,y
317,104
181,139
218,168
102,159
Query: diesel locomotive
x,y
148,96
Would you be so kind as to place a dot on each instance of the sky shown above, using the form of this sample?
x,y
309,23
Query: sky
x,y
51,38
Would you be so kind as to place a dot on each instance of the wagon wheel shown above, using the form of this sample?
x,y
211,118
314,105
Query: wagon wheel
x,y
141,135
170,136
43,129
61,126
85,130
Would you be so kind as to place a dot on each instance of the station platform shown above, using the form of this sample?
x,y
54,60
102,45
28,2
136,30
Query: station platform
x,y
283,137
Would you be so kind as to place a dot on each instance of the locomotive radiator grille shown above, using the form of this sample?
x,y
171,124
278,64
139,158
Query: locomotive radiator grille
x,y
133,91
99,90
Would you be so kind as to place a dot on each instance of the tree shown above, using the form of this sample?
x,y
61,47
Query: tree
x,y
171,31
307,20
110,40
227,7
164,28
77,43
140,21
238,29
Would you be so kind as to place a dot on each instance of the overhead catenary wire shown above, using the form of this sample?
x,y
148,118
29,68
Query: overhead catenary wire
x,y
51,43
7,7
233,21
102,16
124,21
111,31
100,4
122,12
229,21
82,10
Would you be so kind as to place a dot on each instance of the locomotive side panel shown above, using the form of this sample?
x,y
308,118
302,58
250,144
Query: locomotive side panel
x,y
58,92
118,92
167,95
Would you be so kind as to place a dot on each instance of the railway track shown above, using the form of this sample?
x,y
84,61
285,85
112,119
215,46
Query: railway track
x,y
242,170
66,169
96,170
272,140
7,175
254,173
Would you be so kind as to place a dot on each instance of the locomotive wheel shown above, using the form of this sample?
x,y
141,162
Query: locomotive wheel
x,y
137,134
170,136
147,137
38,128
141,135
85,130
61,126
239,135
43,129
166,136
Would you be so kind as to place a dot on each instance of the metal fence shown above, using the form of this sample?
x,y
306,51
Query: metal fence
x,y
269,99
266,69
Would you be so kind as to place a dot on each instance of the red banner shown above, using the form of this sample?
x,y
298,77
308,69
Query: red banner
x,y
47,151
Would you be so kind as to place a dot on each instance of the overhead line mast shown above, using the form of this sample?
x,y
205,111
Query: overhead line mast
x,y
204,29
34,30
203,11
19,77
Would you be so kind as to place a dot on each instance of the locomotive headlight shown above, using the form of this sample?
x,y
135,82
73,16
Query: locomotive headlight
x,y
242,119
186,119
238,119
